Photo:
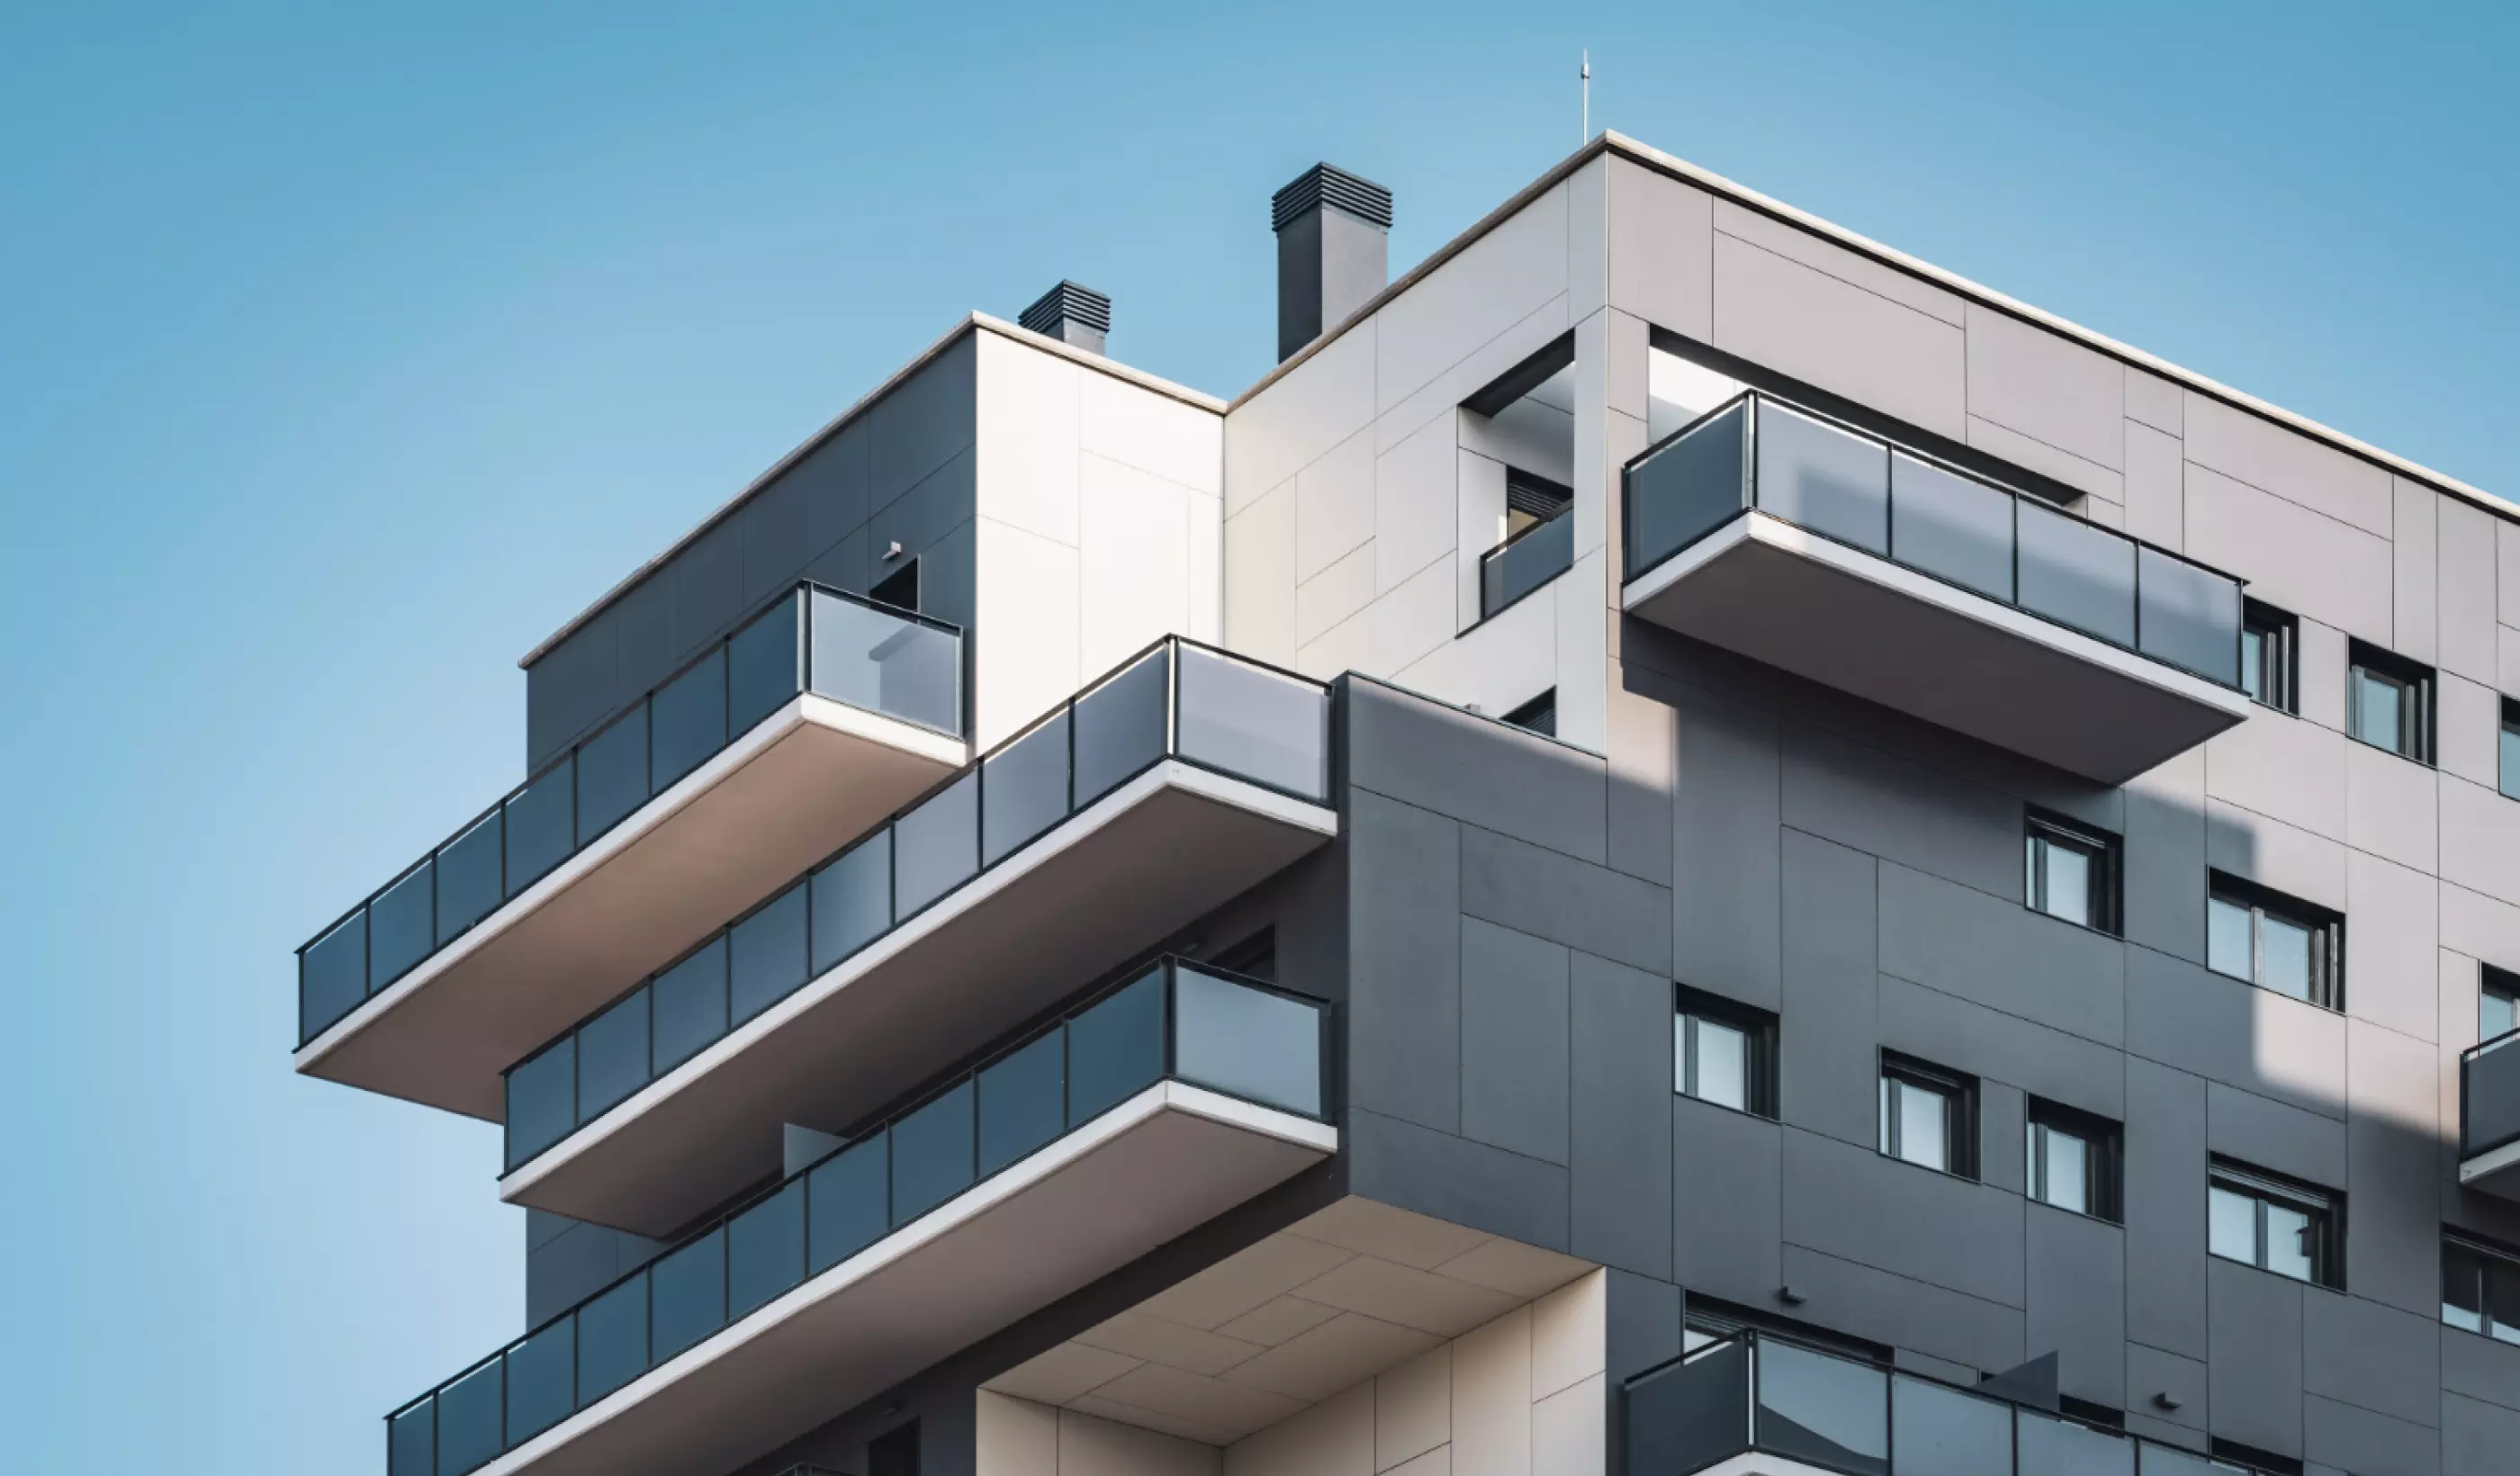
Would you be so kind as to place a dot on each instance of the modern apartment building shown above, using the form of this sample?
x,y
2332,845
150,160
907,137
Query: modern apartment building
x,y
1683,844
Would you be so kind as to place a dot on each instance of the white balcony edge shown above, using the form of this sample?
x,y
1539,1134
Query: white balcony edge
x,y
1755,526
1026,859
1162,1097
807,709
2488,1164
1763,1464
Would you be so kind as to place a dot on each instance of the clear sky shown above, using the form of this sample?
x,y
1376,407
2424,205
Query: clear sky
x,y
345,351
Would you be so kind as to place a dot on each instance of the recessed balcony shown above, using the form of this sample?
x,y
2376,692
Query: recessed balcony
x,y
1125,1123
1154,797
1805,543
2489,1116
803,727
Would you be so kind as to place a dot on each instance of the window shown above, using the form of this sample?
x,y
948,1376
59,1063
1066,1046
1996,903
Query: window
x,y
2480,1288
2510,765
2249,1460
2392,703
898,589
2275,942
1929,1116
2268,657
1725,1053
2072,873
1539,715
2497,1002
2073,1160
1523,427
2275,1225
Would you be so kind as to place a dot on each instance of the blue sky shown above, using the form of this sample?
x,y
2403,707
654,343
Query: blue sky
x,y
344,353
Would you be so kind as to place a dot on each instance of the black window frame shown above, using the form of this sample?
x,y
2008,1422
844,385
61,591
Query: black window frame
x,y
2506,775
1538,715
2277,635
1959,1094
2416,684
2104,1158
2325,926
2323,1206
1690,1007
2491,1261
2495,983
2105,907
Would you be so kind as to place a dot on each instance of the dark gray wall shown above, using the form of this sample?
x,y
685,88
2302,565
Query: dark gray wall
x,y
901,471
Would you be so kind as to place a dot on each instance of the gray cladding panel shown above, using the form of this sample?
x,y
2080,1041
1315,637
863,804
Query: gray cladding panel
x,y
1727,874
1553,895
1999,954
1829,1059
2076,1301
1454,1179
2256,1359
1500,780
1405,989
1905,1312
1902,811
1858,1205
2348,1438
2272,1135
2477,1437
2165,1162
2378,1357
2480,1368
1728,1191
1997,1046
1622,1186
1513,1041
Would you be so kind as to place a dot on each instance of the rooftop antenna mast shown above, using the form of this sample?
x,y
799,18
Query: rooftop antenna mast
x,y
1587,76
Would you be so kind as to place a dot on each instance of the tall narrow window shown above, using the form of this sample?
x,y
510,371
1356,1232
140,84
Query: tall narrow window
x,y
1725,1053
2275,942
2480,1288
2497,1002
2509,768
2267,655
2275,1224
2072,873
1929,1116
2392,703
2072,1160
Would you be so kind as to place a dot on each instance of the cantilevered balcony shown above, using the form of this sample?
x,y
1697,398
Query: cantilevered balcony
x,y
1753,1404
803,727
1125,1123
1807,544
2489,1116
1154,797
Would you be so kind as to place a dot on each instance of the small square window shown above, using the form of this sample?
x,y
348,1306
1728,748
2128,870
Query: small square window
x,y
2391,703
2072,873
1725,1053
2072,1160
2275,1225
2276,942
2497,1002
1929,1116
2480,1290
2268,660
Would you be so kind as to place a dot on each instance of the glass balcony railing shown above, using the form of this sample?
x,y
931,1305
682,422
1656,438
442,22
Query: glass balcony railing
x,y
1753,1392
1173,1022
1526,561
1855,488
813,638
2489,1096
1176,700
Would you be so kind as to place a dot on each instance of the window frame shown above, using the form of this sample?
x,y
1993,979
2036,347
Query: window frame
x,y
2501,984
1959,1094
2322,1207
2506,773
1691,1006
2490,1259
2279,636
2415,684
2104,1158
2325,926
2043,828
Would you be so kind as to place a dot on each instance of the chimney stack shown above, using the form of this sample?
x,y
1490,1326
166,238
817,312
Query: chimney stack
x,y
1334,252
1074,315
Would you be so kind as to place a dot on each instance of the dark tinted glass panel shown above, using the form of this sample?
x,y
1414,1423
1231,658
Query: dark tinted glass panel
x,y
1817,477
613,1055
2190,617
1948,1433
1247,1043
1516,570
688,1000
542,1380
1022,1101
2163,1461
847,1202
333,975
1685,491
765,1250
2060,1448
1245,720
540,831
766,954
1121,725
687,1295
1823,1409
468,876
2502,1298
936,847
1687,1417
852,900
687,721
763,669
611,775
932,1154
469,1422
401,928
1951,527
542,1101
411,1447
1115,1050
887,665
1023,789
612,1340
2076,573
